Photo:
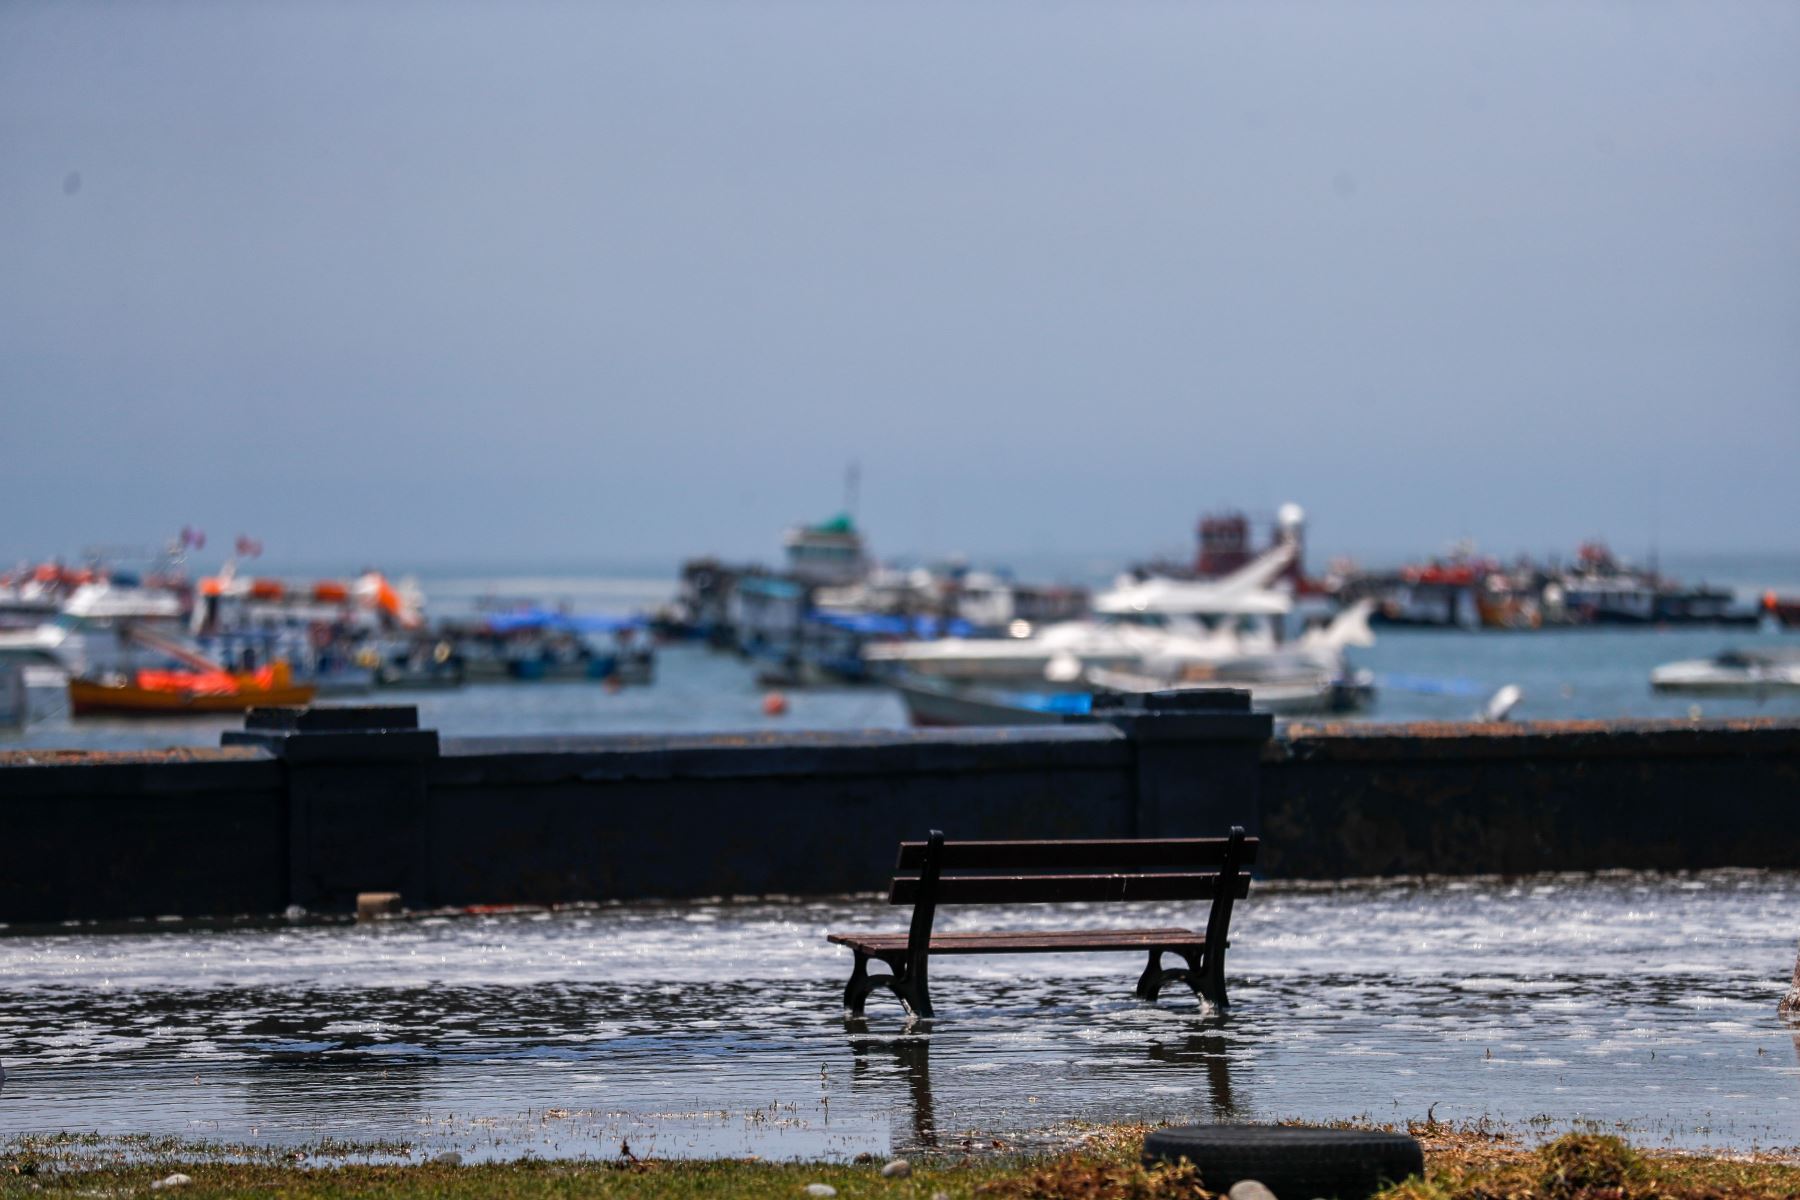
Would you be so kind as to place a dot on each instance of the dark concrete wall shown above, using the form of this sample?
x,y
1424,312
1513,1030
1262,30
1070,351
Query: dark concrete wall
x,y
1348,800
628,818
122,835
313,814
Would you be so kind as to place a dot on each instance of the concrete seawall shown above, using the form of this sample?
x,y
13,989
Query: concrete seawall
x,y
311,808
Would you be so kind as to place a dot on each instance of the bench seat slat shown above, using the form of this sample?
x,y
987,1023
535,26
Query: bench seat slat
x,y
1089,852
1052,889
1023,941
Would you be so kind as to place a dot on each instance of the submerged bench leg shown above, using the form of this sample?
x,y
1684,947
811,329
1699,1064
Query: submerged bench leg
x,y
1209,982
906,984
857,990
914,990
1151,981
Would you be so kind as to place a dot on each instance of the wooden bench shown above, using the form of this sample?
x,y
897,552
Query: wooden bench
x,y
1138,869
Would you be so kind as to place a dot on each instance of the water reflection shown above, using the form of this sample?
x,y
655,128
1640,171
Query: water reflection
x,y
1210,1052
910,1054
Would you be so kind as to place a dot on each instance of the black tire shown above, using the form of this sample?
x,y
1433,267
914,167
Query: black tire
x,y
1294,1163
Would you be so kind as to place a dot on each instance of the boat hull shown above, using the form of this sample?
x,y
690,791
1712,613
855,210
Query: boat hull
x,y
933,706
89,697
1737,676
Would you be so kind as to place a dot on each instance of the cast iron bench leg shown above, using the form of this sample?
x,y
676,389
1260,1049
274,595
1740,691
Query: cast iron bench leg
x,y
1209,982
914,990
857,990
1151,981
908,985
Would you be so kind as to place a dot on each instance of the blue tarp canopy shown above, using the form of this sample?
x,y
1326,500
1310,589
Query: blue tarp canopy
x,y
884,625
558,622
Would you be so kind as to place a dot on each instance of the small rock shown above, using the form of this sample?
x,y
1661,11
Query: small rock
x,y
820,1189
1249,1189
448,1158
864,1157
169,1181
898,1169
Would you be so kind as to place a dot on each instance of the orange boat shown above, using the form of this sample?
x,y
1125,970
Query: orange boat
x,y
174,693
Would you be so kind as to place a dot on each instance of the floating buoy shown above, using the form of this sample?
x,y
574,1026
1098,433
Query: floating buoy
x,y
774,704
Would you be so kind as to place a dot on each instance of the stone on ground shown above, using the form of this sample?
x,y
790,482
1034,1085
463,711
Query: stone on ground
x,y
1250,1189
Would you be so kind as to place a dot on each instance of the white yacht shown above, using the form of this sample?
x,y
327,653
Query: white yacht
x,y
1152,622
1734,673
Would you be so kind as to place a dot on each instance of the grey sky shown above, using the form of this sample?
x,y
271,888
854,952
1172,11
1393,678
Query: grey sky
x,y
598,281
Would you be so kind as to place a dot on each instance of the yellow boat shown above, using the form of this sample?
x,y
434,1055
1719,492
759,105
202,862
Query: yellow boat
x,y
175,693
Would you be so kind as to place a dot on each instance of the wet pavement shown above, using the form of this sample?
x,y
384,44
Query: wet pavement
x,y
1640,1003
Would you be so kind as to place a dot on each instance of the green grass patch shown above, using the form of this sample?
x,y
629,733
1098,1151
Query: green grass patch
x,y
1462,1164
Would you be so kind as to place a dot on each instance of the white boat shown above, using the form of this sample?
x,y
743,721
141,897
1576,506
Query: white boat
x,y
91,633
1155,621
1294,693
1734,673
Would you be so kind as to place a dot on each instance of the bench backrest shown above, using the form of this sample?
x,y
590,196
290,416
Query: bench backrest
x,y
935,872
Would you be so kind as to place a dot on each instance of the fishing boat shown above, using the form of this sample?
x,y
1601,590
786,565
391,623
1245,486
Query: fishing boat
x,y
197,684
179,692
829,553
1757,672
532,645
1785,609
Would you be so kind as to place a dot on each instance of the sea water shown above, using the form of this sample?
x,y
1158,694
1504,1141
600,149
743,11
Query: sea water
x,y
1421,674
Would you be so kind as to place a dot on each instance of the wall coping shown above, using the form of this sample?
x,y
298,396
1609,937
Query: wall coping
x,y
764,753
1438,741
30,774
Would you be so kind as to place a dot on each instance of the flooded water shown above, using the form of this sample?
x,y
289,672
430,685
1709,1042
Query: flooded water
x,y
1633,1002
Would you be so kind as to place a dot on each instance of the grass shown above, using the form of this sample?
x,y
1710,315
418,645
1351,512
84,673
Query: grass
x,y
1462,1163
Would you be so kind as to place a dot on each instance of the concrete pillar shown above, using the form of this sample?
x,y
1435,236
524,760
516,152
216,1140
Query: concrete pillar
x,y
1199,755
358,799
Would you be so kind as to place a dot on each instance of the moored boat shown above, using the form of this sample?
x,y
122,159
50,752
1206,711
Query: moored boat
x,y
1757,672
1785,609
174,693
940,702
